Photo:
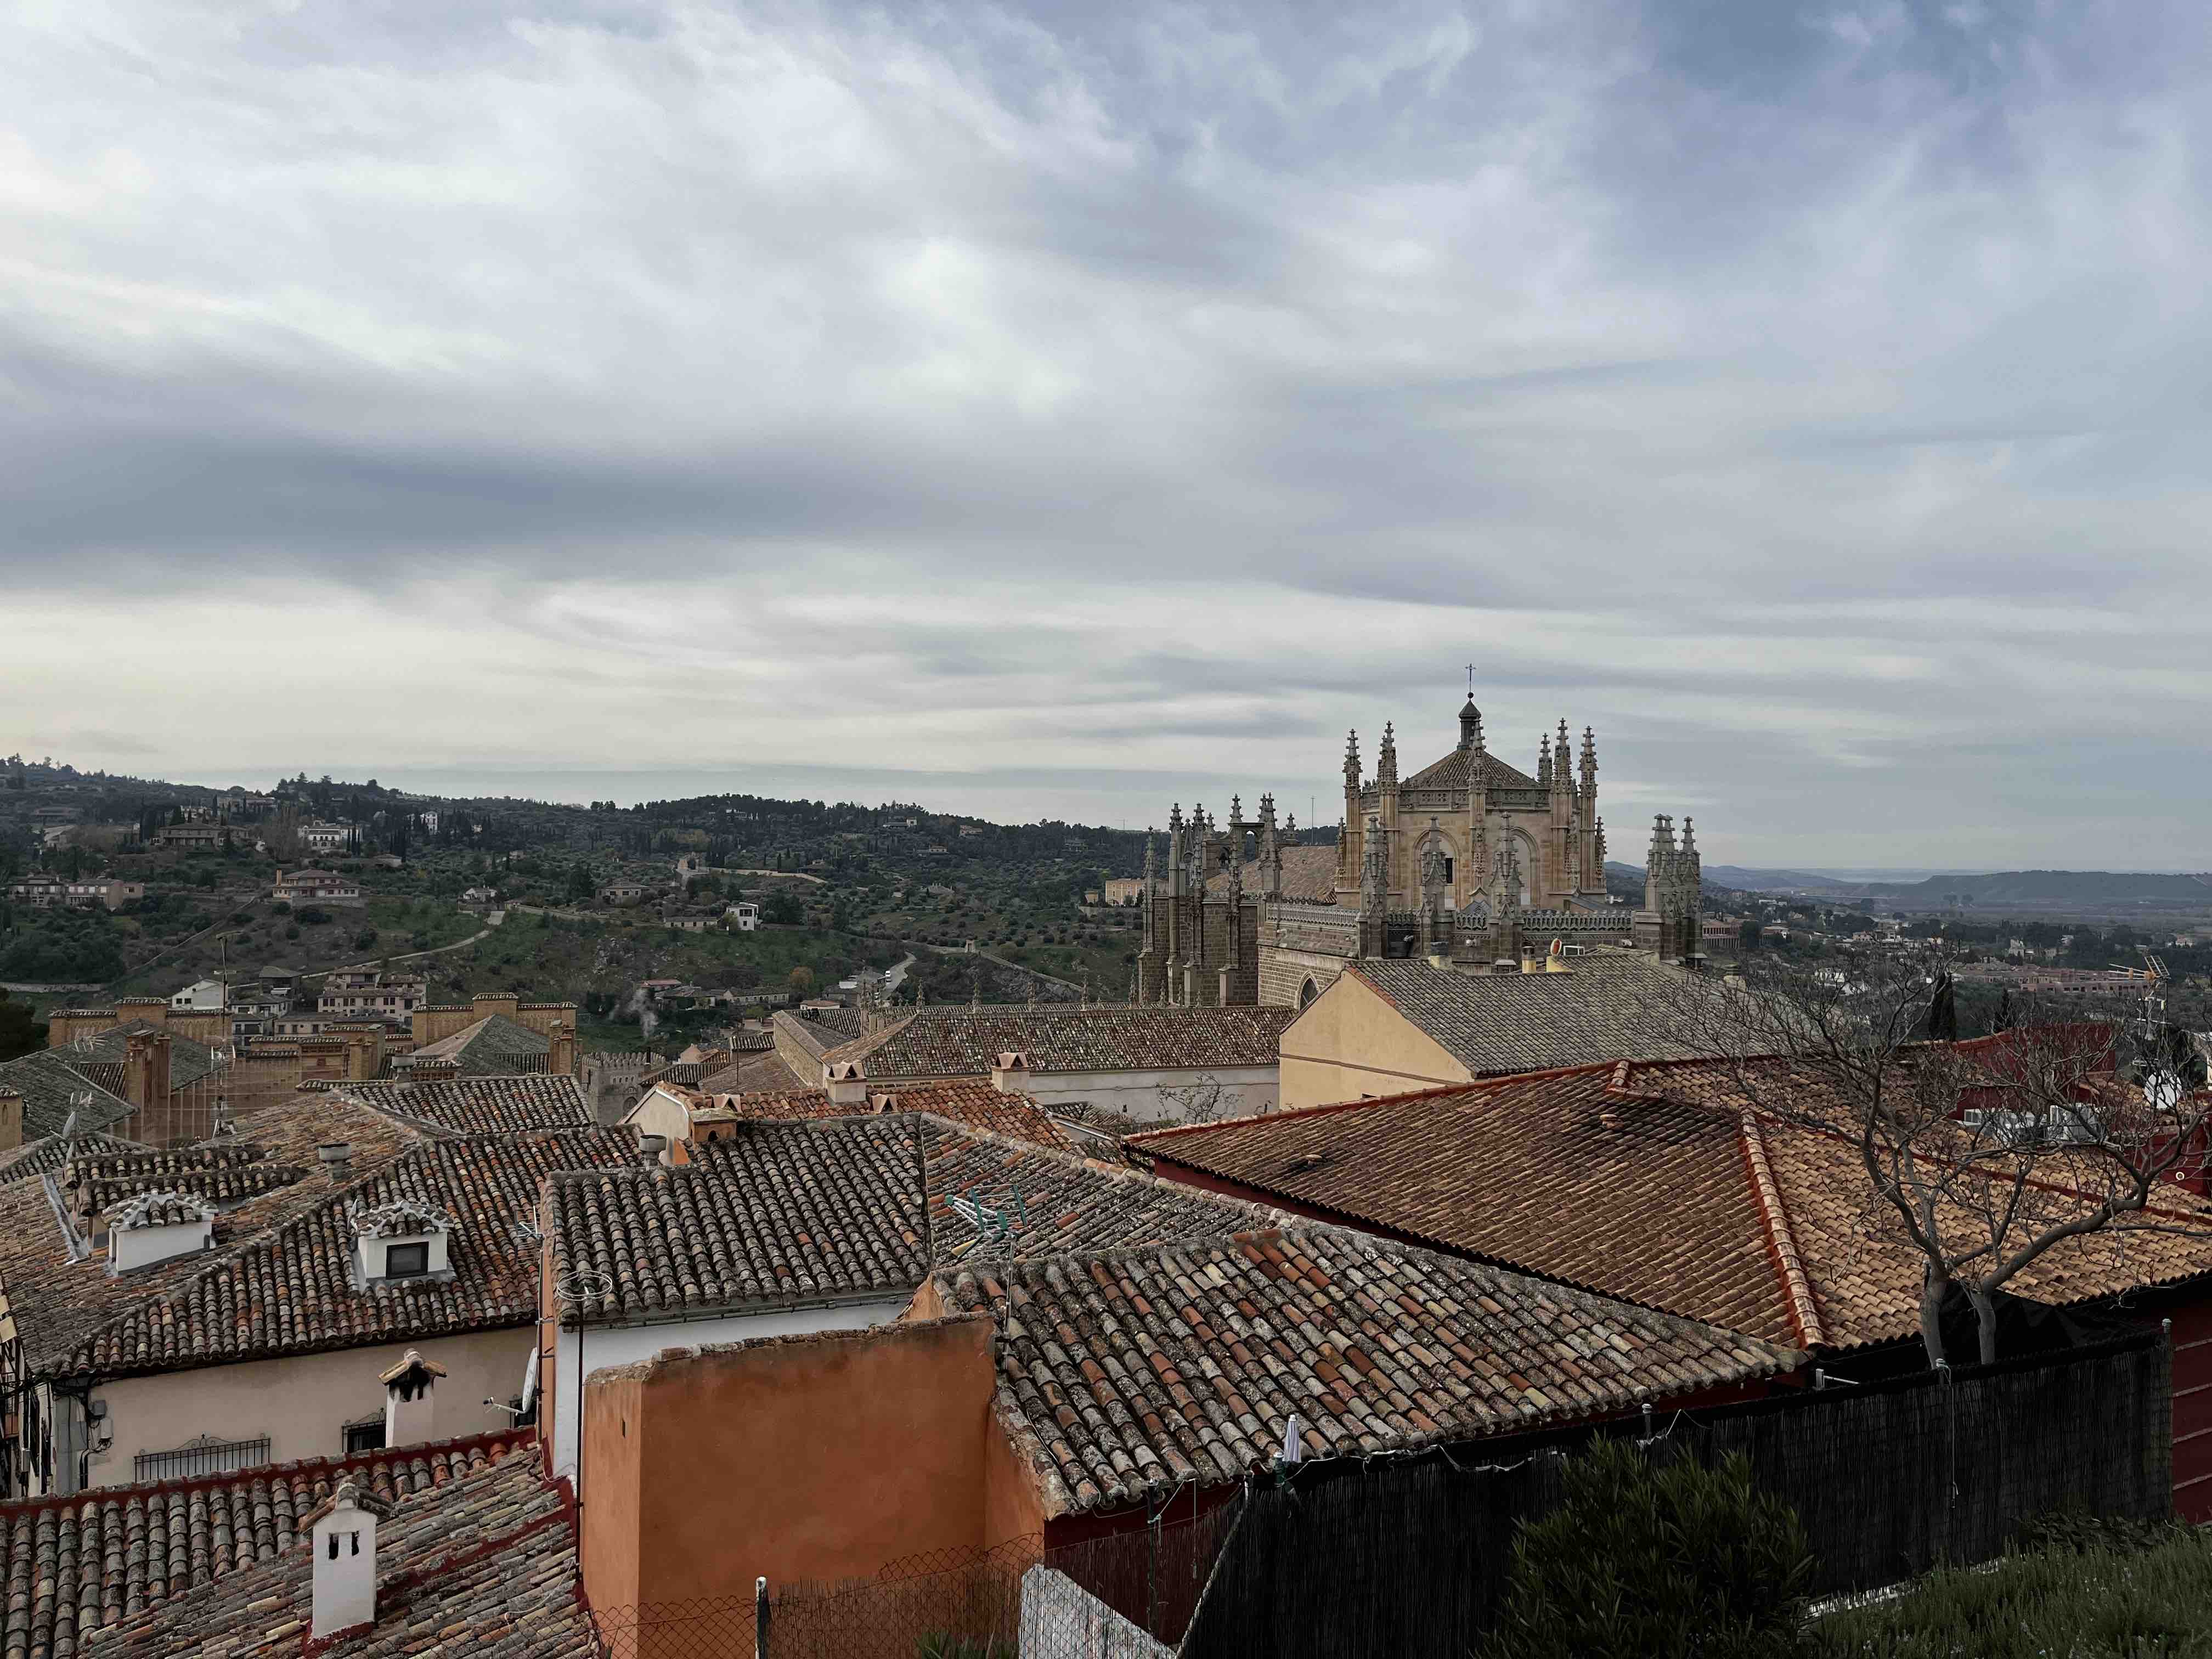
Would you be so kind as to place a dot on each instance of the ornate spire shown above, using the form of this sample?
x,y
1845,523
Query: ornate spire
x,y
1561,773
1386,761
1470,724
1544,761
1589,759
1236,809
1352,759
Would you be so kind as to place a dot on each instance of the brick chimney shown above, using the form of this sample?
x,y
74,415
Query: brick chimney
x,y
11,1118
344,1529
146,1070
560,1058
410,1392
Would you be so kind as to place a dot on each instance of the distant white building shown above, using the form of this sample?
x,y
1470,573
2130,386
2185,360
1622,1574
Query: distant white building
x,y
743,917
207,994
324,837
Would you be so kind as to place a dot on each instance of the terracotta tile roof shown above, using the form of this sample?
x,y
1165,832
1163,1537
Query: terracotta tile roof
x,y
1610,1004
820,1030
481,1563
74,1564
491,1047
480,1105
227,1175
786,1212
46,1155
291,1291
1655,1206
955,1041
1656,1184
750,1073
972,1101
53,1082
54,1089
57,1302
1309,875
1131,1372
1451,773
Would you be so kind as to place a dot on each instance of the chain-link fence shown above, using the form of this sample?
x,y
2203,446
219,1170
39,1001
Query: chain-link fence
x,y
1123,1595
1408,1555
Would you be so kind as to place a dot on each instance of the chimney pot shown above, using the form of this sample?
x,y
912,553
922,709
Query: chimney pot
x,y
410,1390
345,1583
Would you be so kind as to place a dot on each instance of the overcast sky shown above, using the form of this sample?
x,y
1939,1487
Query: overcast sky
x,y
1062,409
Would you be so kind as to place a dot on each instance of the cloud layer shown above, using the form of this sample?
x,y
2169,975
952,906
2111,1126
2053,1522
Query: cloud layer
x,y
1045,409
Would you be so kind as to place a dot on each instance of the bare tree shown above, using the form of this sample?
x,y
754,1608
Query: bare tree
x,y
2079,1119
1199,1101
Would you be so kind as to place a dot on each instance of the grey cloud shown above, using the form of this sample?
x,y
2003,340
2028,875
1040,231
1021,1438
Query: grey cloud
x,y
1635,351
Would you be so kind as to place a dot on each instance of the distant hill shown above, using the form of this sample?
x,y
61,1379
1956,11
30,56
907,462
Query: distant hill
x,y
2040,887
2027,889
1780,881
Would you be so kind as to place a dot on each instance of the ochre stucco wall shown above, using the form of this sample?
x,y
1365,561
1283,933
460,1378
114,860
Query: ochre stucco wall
x,y
1351,1044
816,1457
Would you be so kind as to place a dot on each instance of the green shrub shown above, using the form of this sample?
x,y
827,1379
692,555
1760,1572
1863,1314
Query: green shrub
x,y
1645,1562
2077,1598
943,1644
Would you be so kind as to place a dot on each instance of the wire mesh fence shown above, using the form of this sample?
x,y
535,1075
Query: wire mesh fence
x,y
1123,1595
1409,1555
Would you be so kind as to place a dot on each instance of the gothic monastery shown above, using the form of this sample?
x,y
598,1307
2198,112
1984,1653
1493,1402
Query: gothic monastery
x,y
1469,860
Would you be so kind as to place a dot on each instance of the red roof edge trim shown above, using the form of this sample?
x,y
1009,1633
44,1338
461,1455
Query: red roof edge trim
x,y
1781,1243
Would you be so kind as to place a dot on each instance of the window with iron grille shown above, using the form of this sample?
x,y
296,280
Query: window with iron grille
x,y
202,1456
365,1436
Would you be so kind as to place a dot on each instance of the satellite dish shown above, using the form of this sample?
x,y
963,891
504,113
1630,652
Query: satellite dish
x,y
530,1381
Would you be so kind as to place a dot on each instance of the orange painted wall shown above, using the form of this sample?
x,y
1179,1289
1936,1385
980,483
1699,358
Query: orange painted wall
x,y
610,1488
813,1457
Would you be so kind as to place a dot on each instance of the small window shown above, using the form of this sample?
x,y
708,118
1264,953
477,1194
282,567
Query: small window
x,y
364,1437
407,1260
1448,872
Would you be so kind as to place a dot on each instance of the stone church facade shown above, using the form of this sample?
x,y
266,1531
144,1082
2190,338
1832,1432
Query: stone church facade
x,y
1468,860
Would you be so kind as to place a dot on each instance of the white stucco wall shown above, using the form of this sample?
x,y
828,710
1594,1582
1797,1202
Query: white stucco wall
x,y
303,1404
661,1114
1245,1090
605,1347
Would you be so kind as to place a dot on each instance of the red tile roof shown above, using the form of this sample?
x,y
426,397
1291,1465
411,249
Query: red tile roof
x,y
1127,1375
1653,1183
76,1564
485,1564
955,1041
970,1101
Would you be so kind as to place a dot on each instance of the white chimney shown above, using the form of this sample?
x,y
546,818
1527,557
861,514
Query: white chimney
x,y
847,1082
344,1542
410,1390
1010,1073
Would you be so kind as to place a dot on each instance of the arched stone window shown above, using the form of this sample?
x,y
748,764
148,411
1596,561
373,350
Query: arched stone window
x,y
1307,993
